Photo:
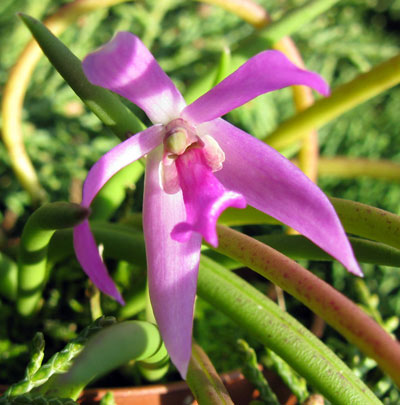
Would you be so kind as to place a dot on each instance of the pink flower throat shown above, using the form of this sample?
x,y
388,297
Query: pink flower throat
x,y
181,137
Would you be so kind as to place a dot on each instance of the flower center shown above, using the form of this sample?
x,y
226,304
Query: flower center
x,y
181,136
176,142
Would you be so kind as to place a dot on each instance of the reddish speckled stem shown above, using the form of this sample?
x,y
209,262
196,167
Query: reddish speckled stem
x,y
337,310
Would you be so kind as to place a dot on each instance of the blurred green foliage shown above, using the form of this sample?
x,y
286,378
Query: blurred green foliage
x,y
64,139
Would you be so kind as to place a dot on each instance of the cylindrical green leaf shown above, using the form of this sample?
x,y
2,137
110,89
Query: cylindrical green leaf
x,y
8,277
119,243
36,235
155,367
299,247
261,317
368,222
345,167
335,308
357,218
106,105
107,350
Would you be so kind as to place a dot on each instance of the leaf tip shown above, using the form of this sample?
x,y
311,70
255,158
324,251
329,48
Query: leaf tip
x,y
26,19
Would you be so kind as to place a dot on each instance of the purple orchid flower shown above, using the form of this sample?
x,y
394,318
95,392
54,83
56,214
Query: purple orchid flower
x,y
197,165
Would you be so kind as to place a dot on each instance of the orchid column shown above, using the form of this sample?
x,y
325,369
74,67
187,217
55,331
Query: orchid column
x,y
197,165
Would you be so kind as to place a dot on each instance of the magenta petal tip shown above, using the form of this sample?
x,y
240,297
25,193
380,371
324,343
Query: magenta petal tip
x,y
355,269
124,65
264,72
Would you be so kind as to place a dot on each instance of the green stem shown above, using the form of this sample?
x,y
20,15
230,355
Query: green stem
x,y
288,24
95,302
204,381
294,19
337,310
223,66
106,105
36,235
345,167
342,99
261,317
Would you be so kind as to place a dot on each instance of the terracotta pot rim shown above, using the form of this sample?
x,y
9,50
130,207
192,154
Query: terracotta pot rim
x,y
175,393
227,378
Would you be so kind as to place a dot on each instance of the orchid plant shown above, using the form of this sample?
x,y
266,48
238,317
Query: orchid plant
x,y
198,165
202,174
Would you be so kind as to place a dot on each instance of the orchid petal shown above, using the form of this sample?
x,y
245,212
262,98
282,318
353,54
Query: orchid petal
x,y
172,266
117,158
272,184
204,196
125,66
264,72
89,258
